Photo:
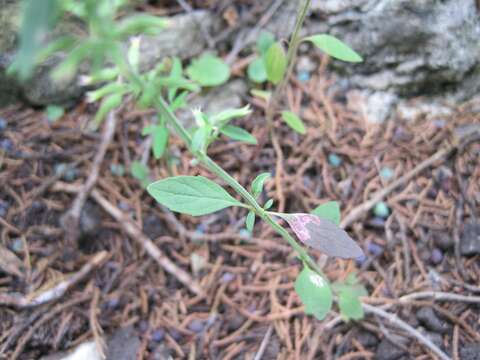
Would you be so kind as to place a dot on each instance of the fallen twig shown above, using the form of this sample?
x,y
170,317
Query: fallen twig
x,y
70,221
136,234
58,290
392,318
358,211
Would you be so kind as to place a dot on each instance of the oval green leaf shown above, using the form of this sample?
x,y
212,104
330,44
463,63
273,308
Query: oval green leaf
x,y
314,292
192,195
257,184
275,63
237,133
328,211
209,70
349,302
293,121
159,141
334,47
250,221
256,71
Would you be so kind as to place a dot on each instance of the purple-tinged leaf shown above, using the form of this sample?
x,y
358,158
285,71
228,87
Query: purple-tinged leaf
x,y
323,235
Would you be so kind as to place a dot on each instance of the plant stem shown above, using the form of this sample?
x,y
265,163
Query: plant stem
x,y
211,165
291,57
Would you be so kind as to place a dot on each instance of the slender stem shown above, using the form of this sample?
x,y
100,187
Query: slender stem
x,y
211,165
291,56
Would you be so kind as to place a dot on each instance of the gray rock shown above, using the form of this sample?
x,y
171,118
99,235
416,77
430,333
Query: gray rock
x,y
410,47
443,240
388,351
470,239
470,352
123,345
431,321
90,219
212,101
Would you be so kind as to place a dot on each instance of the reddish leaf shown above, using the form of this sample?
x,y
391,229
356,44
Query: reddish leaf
x,y
323,235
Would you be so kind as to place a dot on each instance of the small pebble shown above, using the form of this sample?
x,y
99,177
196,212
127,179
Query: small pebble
x,y
70,175
227,277
6,145
431,321
387,173
377,222
381,210
117,170
334,160
245,233
196,325
122,205
113,303
374,249
361,260
17,245
3,208
158,335
437,256
176,335
3,124
143,326
303,76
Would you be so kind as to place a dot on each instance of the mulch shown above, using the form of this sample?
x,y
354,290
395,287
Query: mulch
x,y
248,281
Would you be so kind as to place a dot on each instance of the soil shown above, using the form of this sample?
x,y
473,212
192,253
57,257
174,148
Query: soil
x,y
248,281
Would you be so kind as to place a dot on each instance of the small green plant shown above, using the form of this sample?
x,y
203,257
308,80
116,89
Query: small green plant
x,y
164,88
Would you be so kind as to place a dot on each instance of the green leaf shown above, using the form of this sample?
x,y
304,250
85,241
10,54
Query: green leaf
x,y
160,140
141,24
350,306
199,139
256,71
314,292
237,133
225,116
268,204
209,70
250,221
265,95
275,63
334,47
257,184
54,113
38,17
108,104
293,121
140,172
329,211
134,53
264,41
192,195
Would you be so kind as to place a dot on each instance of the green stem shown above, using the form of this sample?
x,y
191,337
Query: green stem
x,y
291,57
163,108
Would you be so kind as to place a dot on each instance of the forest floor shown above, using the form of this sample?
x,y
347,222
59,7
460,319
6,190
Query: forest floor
x,y
55,295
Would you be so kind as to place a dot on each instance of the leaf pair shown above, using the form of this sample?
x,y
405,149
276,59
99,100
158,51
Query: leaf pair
x,y
349,293
210,126
316,295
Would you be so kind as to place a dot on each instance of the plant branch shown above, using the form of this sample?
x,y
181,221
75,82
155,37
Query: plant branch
x,y
163,108
291,56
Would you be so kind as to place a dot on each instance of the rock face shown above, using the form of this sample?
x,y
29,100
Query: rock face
x,y
411,47
422,47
